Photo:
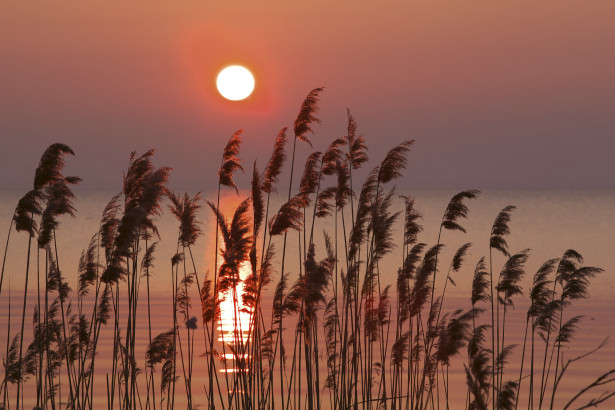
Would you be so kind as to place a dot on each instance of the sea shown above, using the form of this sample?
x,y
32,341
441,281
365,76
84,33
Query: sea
x,y
547,222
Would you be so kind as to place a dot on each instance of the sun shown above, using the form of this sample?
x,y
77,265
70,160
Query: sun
x,y
235,83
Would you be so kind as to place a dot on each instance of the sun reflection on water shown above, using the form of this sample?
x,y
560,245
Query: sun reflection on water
x,y
233,326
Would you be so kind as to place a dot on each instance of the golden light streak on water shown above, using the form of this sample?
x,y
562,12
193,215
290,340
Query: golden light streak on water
x,y
234,322
234,317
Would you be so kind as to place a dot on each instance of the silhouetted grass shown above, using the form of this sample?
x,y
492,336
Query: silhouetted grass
x,y
338,336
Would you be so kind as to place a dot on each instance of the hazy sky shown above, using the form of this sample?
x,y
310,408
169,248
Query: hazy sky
x,y
497,94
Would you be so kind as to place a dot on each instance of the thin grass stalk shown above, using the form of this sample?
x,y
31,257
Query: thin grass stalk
x,y
23,319
549,327
6,355
115,299
94,326
127,362
530,404
501,377
93,335
556,358
206,334
493,345
150,378
69,367
212,366
46,321
280,340
39,374
174,282
186,307
522,362
6,248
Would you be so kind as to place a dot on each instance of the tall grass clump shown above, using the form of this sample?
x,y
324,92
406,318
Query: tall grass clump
x,y
356,315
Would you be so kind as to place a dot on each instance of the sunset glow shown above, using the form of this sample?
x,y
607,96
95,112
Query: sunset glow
x,y
307,206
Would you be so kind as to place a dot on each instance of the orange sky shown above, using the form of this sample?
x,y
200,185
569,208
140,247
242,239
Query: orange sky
x,y
497,94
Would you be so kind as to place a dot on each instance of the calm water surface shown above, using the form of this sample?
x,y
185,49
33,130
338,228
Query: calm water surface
x,y
547,222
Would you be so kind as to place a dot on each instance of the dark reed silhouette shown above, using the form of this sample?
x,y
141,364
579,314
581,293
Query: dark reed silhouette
x,y
316,328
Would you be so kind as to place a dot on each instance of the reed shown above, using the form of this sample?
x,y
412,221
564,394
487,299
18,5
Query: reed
x,y
328,332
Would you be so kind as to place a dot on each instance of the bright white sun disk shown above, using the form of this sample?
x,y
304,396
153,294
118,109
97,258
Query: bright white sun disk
x,y
235,83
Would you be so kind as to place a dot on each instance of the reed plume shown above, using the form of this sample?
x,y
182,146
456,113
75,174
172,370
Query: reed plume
x,y
333,156
307,115
28,206
309,290
230,161
453,335
356,144
50,197
510,276
411,216
497,241
325,205
500,230
422,288
50,167
394,162
480,283
59,201
370,331
276,162
184,209
310,180
288,217
457,209
478,369
88,267
237,244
